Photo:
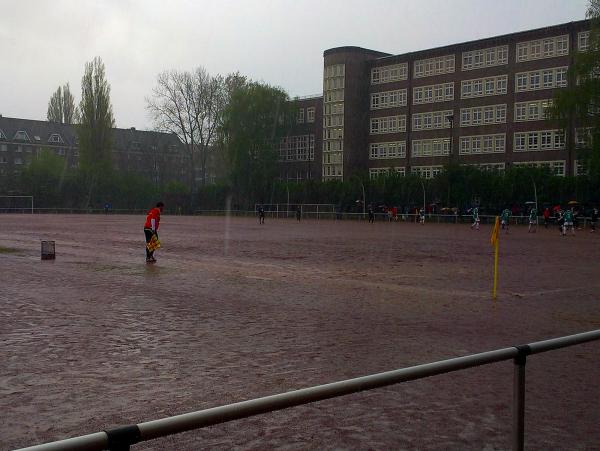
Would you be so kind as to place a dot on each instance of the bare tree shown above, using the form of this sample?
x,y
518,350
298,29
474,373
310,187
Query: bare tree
x,y
61,107
191,106
210,99
172,109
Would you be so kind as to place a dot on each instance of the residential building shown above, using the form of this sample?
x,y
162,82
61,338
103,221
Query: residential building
x,y
157,156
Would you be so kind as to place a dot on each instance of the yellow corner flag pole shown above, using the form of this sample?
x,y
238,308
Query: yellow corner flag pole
x,y
494,240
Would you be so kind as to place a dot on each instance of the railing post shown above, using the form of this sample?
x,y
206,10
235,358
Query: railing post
x,y
518,432
121,439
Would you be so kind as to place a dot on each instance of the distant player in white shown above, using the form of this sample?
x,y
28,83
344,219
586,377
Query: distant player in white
x,y
568,218
532,220
505,219
422,216
476,220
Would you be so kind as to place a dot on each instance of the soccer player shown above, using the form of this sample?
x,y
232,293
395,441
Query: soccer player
x,y
422,216
261,214
151,228
476,220
568,222
505,219
594,219
371,215
546,217
532,220
559,217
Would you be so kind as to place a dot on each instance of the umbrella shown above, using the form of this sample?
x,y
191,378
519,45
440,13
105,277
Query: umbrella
x,y
530,202
573,202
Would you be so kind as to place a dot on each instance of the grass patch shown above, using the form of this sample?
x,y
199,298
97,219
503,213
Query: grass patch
x,y
8,250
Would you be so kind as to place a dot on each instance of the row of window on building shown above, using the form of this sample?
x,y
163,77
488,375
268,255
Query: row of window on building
x,y
297,148
20,161
310,115
550,47
529,141
19,148
469,117
22,135
550,78
557,167
296,176
333,170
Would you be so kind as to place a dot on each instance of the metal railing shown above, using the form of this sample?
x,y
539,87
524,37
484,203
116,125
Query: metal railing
x,y
583,222
122,438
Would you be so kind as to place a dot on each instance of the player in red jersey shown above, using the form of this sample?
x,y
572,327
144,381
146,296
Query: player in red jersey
x,y
151,228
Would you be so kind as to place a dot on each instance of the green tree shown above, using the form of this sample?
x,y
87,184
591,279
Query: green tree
x,y
45,179
579,104
61,106
255,119
95,126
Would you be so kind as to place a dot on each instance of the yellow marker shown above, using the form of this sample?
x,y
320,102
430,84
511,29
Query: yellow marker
x,y
153,244
494,240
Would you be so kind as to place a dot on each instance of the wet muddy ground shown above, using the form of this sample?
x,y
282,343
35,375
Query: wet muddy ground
x,y
234,310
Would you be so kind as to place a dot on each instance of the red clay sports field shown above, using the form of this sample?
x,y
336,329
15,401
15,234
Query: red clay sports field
x,y
98,339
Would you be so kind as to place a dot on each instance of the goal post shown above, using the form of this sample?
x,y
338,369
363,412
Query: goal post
x,y
16,204
284,210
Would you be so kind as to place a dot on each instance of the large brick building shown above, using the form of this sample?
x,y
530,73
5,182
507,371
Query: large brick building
x,y
157,156
479,103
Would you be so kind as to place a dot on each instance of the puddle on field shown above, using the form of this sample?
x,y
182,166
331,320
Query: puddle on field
x,y
132,270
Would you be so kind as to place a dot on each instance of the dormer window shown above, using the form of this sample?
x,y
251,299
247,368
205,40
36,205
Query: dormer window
x,y
55,138
21,135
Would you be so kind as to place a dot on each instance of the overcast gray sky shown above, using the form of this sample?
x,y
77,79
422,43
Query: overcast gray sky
x,y
46,43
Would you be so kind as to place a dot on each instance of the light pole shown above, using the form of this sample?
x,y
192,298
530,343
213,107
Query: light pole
x,y
364,197
536,200
450,119
423,186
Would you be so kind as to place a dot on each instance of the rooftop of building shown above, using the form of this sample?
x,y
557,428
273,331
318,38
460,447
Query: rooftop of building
x,y
484,41
493,40
40,132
